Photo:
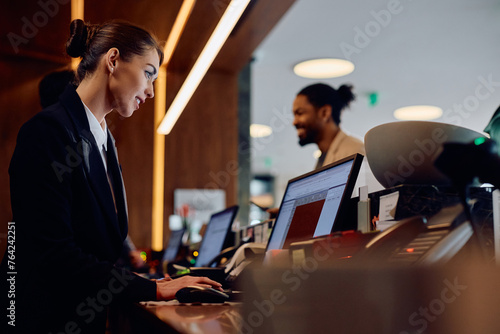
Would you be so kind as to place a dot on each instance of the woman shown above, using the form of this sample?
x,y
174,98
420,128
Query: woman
x,y
67,194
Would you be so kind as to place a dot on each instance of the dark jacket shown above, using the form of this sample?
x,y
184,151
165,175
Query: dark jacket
x,y
68,232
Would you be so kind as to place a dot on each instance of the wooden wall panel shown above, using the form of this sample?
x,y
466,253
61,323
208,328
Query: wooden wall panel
x,y
35,28
201,151
201,23
156,16
134,141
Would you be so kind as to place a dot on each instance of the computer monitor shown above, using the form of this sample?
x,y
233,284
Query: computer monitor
x,y
313,203
174,245
215,236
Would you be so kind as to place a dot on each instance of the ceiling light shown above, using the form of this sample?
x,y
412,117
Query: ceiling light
x,y
177,29
260,130
323,68
316,154
418,113
217,39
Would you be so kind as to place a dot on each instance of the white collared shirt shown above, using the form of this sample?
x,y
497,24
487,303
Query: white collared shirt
x,y
100,135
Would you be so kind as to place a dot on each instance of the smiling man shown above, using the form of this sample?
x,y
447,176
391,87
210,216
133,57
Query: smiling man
x,y
317,109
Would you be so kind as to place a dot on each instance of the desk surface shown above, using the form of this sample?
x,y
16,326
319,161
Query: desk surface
x,y
196,318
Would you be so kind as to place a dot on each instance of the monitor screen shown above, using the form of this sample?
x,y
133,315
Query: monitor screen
x,y
174,244
311,203
215,235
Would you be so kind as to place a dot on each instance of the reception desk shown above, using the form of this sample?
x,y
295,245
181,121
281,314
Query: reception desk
x,y
346,294
173,317
354,299
341,299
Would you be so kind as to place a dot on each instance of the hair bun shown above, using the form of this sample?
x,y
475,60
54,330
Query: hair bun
x,y
77,41
346,94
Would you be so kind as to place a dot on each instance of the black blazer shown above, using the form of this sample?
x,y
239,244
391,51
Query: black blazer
x,y
68,233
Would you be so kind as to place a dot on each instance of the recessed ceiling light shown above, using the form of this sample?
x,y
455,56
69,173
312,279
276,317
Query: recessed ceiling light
x,y
260,130
418,113
323,68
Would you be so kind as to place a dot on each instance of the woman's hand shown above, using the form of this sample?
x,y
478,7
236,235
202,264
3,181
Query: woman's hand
x,y
166,288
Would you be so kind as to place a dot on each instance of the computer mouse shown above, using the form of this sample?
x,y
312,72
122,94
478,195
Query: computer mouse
x,y
197,294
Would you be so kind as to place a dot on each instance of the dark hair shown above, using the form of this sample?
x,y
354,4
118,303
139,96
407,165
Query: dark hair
x,y
90,42
53,84
321,94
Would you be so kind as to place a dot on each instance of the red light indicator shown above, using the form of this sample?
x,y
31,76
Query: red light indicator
x,y
410,250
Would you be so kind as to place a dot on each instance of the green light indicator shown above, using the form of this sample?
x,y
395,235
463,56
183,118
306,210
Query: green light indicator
x,y
479,141
192,261
373,99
